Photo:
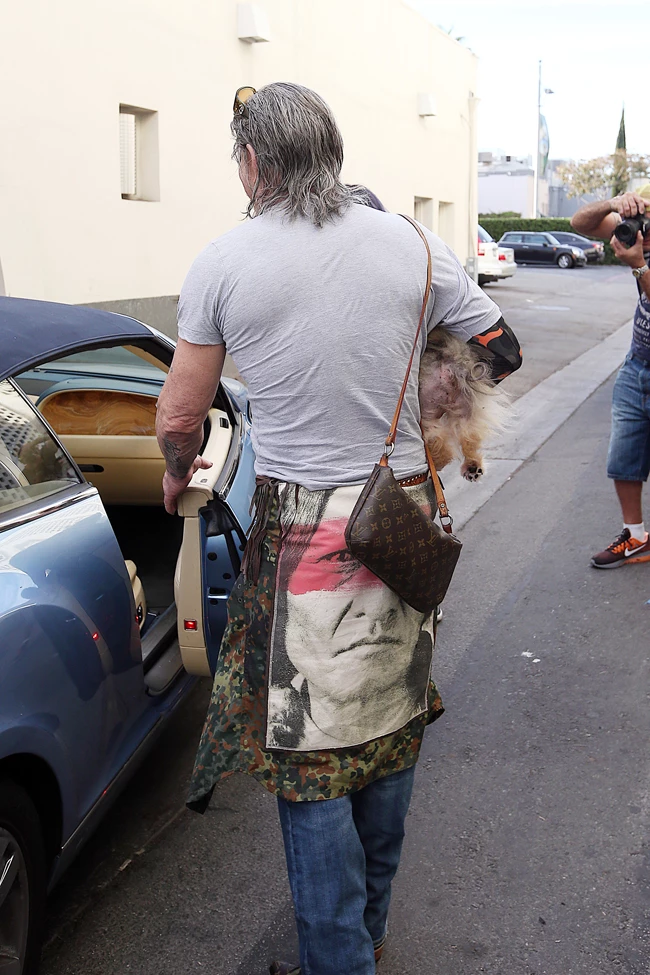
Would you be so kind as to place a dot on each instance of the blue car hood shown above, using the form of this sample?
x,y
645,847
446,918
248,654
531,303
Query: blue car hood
x,y
34,331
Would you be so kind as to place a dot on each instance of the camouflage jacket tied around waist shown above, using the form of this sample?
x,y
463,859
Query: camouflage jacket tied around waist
x,y
323,679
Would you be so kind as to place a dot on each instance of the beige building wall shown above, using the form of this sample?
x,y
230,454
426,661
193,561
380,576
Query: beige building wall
x,y
66,234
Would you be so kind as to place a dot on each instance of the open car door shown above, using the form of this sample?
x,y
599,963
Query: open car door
x,y
95,376
215,508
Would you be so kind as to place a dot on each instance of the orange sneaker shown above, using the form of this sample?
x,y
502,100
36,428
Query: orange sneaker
x,y
623,549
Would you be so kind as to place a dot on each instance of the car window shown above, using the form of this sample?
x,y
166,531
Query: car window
x,y
536,239
512,238
556,243
484,236
116,361
32,463
566,238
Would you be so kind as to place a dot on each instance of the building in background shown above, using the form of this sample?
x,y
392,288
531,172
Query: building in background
x,y
560,204
116,168
507,183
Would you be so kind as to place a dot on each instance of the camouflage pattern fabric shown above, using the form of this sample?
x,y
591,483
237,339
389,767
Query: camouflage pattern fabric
x,y
233,738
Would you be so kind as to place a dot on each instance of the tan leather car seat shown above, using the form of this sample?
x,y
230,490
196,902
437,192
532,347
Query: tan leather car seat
x,y
138,593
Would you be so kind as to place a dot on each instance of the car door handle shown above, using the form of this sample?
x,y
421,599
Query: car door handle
x,y
214,595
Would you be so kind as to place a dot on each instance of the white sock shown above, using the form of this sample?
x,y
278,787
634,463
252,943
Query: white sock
x,y
636,531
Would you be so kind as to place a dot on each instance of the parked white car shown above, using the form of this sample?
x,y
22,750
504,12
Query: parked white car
x,y
494,262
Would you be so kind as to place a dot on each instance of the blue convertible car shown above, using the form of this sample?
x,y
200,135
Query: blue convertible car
x,y
108,606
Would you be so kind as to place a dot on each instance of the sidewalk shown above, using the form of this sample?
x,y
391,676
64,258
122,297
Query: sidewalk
x,y
527,849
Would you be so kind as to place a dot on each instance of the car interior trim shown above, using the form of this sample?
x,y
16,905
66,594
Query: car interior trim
x,y
102,412
227,476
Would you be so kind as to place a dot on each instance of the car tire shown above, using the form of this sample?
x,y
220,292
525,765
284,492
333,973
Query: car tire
x,y
22,893
565,261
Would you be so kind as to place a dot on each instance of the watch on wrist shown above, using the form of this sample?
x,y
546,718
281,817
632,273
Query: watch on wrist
x,y
638,272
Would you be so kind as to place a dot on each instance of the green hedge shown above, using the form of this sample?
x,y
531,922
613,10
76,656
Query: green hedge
x,y
498,226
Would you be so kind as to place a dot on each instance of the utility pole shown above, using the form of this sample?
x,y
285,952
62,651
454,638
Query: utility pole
x,y
539,112
472,210
547,91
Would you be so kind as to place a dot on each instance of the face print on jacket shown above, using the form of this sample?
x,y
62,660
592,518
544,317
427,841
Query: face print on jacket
x,y
350,660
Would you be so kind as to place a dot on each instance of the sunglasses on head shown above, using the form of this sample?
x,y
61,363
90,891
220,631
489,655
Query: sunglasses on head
x,y
242,95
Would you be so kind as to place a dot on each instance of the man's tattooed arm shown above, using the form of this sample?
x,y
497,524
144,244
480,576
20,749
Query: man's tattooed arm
x,y
184,403
179,453
182,408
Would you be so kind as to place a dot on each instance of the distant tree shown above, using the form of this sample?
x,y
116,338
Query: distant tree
x,y
620,139
598,177
590,177
621,171
506,213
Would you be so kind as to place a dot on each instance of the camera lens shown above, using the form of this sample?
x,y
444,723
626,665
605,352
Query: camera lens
x,y
627,230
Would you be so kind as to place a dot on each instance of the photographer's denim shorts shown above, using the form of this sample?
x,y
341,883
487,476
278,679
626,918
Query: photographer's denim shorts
x,y
629,445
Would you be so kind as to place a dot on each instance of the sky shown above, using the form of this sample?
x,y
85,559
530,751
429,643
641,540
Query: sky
x,y
592,54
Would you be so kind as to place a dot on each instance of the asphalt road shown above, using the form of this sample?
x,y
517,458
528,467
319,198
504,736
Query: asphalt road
x,y
557,315
527,843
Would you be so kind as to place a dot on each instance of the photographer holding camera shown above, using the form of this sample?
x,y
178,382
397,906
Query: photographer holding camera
x,y
626,219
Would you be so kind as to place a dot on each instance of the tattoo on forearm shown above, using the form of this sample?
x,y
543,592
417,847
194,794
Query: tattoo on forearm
x,y
173,456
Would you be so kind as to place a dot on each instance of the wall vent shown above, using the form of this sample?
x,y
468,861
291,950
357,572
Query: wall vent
x,y
252,24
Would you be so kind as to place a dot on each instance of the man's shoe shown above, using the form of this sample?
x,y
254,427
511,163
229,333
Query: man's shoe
x,y
623,549
379,948
288,968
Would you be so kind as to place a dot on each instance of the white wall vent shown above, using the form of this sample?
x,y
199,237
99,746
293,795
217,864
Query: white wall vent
x,y
128,157
139,154
252,24
426,104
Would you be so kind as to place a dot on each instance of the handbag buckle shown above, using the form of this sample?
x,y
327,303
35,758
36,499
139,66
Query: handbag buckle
x,y
388,449
446,521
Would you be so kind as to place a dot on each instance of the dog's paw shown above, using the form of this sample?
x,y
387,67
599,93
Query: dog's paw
x,y
471,472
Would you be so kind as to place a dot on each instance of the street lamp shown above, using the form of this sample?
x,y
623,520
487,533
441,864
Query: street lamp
x,y
547,91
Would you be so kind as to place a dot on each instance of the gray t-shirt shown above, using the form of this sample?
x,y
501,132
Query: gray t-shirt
x,y
320,323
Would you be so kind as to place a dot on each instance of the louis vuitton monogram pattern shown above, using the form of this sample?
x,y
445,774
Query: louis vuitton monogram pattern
x,y
398,541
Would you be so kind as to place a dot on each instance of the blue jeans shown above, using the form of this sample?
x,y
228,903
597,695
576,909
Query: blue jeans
x,y
629,445
342,855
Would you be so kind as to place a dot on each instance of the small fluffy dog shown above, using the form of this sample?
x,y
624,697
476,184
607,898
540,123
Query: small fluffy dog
x,y
459,406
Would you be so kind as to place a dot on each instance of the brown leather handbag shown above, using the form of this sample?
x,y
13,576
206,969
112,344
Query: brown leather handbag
x,y
389,533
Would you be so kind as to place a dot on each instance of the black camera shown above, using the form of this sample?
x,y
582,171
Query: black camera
x,y
628,229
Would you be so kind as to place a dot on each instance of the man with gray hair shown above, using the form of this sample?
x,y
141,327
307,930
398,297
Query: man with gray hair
x,y
322,689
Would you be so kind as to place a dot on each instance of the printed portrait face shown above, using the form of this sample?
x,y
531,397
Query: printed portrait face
x,y
361,654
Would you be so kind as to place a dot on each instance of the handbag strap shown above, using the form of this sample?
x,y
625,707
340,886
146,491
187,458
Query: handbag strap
x,y
445,517
390,439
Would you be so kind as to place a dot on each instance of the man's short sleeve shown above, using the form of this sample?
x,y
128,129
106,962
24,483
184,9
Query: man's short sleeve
x,y
203,300
459,305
